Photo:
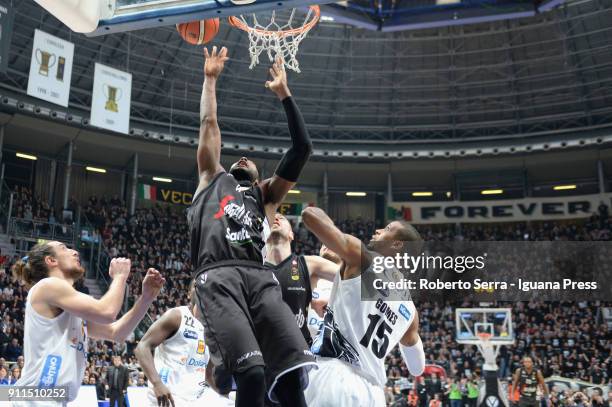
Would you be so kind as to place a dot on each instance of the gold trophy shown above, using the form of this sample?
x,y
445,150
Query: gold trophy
x,y
112,94
46,60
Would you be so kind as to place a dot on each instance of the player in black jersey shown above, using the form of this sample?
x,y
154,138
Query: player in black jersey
x,y
244,317
528,378
296,274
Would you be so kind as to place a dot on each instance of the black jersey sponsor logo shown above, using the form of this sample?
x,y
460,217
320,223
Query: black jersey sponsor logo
x,y
234,211
332,344
295,275
239,238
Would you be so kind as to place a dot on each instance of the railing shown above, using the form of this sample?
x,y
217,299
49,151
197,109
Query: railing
x,y
33,229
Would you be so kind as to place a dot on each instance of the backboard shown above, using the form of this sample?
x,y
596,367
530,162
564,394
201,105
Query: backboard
x,y
100,17
497,322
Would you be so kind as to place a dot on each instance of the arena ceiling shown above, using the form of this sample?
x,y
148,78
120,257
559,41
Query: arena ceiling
x,y
510,79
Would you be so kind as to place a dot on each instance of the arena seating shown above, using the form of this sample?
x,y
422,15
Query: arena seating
x,y
565,339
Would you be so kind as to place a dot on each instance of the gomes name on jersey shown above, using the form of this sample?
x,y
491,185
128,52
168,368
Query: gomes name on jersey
x,y
386,311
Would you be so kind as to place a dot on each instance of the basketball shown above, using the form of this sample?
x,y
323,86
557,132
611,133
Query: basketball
x,y
199,32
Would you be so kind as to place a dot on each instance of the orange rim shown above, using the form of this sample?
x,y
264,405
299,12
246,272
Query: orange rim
x,y
484,336
238,23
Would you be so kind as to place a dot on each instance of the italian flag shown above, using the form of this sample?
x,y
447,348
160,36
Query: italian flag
x,y
148,192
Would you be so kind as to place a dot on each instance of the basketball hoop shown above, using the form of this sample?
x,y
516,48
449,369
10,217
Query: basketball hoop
x,y
488,350
277,38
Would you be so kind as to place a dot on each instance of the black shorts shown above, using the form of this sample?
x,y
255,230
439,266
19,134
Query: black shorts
x,y
247,323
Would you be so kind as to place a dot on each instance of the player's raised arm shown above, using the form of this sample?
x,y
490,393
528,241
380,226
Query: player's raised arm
x,y
119,330
290,166
320,268
162,329
209,145
346,246
61,294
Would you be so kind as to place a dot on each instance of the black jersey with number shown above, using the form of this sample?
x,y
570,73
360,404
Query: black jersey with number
x,y
227,223
528,384
294,279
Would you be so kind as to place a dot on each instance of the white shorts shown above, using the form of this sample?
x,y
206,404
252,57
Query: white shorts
x,y
209,398
336,384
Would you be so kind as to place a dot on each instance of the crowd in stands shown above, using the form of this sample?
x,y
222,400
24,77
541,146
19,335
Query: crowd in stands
x,y
563,338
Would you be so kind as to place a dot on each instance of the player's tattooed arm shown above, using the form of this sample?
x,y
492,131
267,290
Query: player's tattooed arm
x,y
162,329
209,144
318,268
347,247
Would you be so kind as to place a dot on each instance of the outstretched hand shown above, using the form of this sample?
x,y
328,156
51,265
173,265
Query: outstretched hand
x,y
152,284
214,62
278,84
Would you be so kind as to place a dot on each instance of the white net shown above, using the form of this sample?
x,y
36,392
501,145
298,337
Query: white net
x,y
277,38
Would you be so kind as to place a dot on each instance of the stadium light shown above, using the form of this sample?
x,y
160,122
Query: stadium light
x,y
161,179
27,156
96,169
422,194
492,192
449,194
295,191
356,194
563,187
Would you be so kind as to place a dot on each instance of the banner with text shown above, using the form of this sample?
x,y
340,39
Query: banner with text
x,y
110,104
50,68
516,210
156,194
7,16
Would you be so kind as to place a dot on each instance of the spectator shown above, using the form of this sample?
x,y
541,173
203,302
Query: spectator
x,y
4,380
117,379
15,374
413,398
436,401
472,393
454,393
13,350
100,393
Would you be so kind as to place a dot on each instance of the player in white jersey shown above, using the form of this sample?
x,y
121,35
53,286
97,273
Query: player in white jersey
x,y
177,370
357,335
321,290
59,319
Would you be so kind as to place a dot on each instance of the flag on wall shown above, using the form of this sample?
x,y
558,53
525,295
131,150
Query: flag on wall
x,y
148,192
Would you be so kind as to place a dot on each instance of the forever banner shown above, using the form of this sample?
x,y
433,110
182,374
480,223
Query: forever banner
x,y
516,210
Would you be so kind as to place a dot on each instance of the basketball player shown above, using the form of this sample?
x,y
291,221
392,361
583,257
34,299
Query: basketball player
x,y
59,319
320,294
244,316
296,274
357,335
527,379
177,372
